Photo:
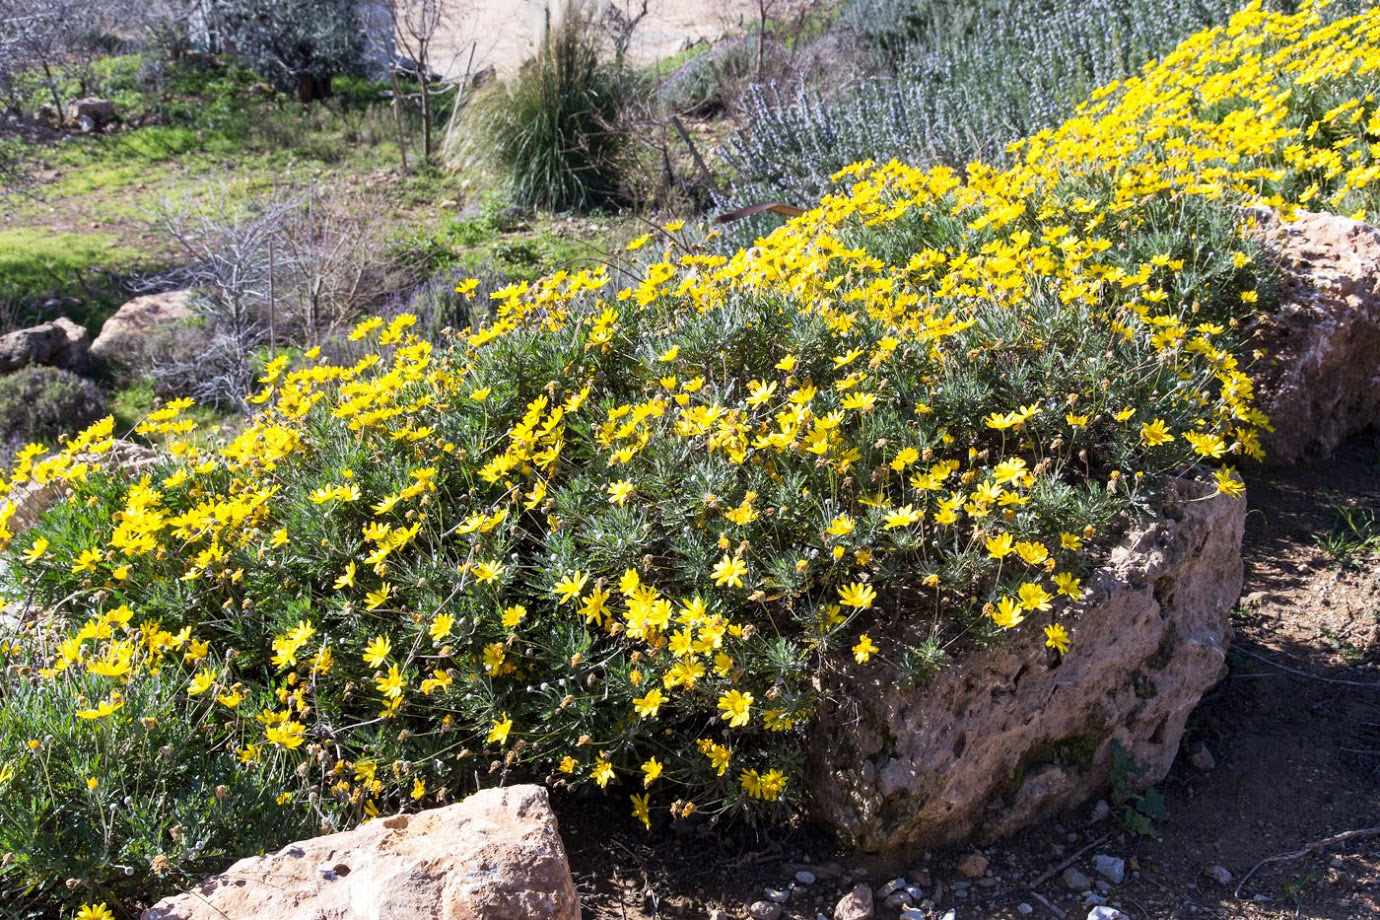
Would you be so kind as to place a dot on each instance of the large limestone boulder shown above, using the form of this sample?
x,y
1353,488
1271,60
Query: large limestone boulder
x,y
90,113
60,343
495,856
1013,734
125,337
1320,378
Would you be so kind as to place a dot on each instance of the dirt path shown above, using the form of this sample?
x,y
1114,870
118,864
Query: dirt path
x,y
503,33
1297,759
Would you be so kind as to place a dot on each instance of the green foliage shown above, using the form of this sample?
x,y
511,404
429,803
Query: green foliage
x,y
554,130
1354,534
46,405
1139,808
84,267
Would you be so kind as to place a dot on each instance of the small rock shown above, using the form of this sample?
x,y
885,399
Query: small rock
x,y
1111,868
895,884
1100,811
1093,900
912,913
1337,863
777,896
828,870
1103,912
856,905
764,910
950,915
897,900
973,865
1024,909
962,886
916,892
1075,880
1200,757
805,877
1219,874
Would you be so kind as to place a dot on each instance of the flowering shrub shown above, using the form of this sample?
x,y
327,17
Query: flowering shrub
x,y
614,536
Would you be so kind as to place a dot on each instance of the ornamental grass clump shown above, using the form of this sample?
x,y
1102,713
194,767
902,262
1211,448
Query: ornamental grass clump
x,y
615,536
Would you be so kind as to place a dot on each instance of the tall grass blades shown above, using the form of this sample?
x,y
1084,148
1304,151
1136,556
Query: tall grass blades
x,y
553,130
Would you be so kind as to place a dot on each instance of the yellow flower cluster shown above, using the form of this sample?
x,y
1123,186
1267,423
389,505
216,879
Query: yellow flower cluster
x,y
604,532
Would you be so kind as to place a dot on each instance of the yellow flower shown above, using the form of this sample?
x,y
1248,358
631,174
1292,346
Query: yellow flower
x,y
840,526
1057,638
735,707
620,491
103,708
376,599
1034,597
481,394
1228,483
1206,445
488,571
904,458
441,626
640,811
348,579
638,243
651,770
858,595
864,650
602,772
1070,541
1155,433
499,733
1007,613
729,571
37,550
418,789
1032,552
95,912
93,784
202,681
570,587
1068,586
648,706
903,517
377,651
999,546
513,615
1249,297
567,764
391,684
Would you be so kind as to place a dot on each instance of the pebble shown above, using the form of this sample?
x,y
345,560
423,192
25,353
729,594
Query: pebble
x,y
1337,863
1219,874
1111,868
897,900
1200,757
1075,880
777,895
912,913
805,877
856,905
973,865
895,884
1101,811
1024,909
916,892
962,886
1103,912
950,915
764,910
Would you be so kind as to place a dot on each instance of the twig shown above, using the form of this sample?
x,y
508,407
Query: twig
x,y
1048,903
1375,685
1068,862
1315,845
694,154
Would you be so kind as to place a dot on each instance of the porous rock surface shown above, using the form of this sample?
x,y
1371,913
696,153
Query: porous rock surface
x,y
1319,377
60,343
126,334
1014,734
495,856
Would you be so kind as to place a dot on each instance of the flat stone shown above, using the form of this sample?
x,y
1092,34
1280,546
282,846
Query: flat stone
x,y
1112,868
1075,880
972,865
805,877
856,905
1219,874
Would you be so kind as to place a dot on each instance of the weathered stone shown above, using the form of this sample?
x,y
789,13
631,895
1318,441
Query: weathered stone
x,y
1075,880
99,112
60,343
1219,874
1014,734
764,910
125,336
856,905
1320,378
1201,758
972,865
497,856
1112,868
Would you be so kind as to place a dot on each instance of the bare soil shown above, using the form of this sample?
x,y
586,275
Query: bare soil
x,y
1294,730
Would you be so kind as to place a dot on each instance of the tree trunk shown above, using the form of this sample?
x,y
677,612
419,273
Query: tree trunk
x,y
313,88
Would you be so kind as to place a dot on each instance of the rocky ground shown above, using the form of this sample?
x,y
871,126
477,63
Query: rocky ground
x,y
1285,752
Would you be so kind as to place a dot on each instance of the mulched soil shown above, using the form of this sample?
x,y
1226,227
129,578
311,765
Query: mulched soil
x,y
1294,730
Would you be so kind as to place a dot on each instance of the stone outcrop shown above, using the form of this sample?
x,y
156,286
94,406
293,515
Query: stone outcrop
x,y
125,337
495,856
60,343
1013,734
89,113
1319,379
